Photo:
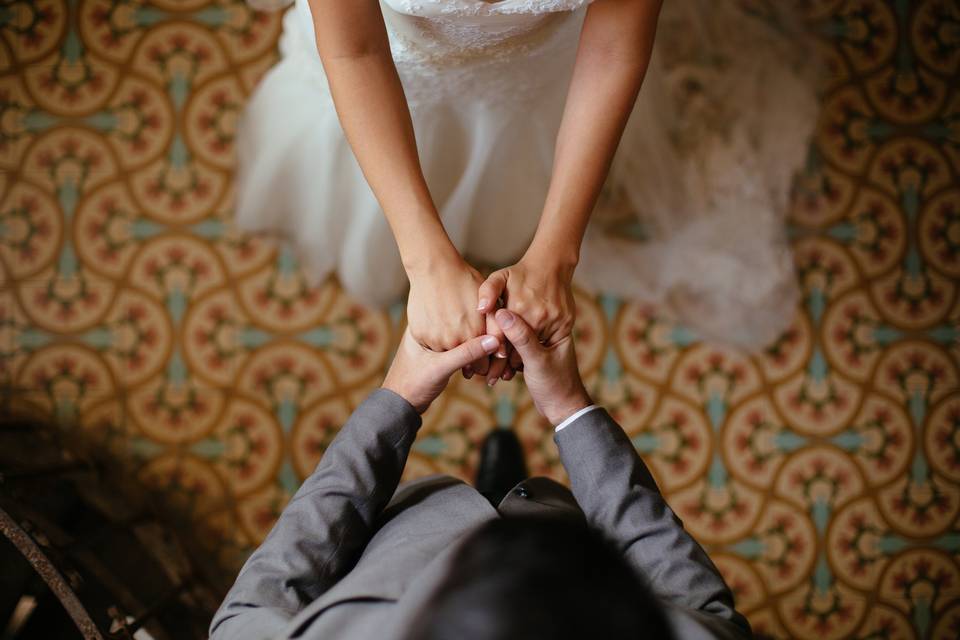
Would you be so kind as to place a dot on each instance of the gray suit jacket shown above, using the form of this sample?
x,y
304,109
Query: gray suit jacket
x,y
353,558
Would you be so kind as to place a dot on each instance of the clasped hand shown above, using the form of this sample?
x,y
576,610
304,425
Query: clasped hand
x,y
450,303
419,375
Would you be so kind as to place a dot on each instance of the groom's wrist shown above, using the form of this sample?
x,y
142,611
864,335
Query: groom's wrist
x,y
405,393
562,409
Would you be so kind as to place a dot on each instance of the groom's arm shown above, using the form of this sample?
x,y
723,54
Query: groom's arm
x,y
326,525
619,497
329,521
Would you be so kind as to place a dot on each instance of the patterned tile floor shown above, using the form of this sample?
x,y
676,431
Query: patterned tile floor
x,y
822,474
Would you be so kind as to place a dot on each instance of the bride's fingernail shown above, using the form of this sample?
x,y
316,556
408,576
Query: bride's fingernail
x,y
482,305
489,343
492,381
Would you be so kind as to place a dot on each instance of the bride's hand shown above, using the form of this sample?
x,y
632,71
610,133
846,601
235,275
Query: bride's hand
x,y
538,291
442,306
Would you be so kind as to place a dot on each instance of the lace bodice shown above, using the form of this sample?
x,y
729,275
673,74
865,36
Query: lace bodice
x,y
465,51
479,8
480,52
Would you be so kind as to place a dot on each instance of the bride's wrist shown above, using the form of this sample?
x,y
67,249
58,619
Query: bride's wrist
x,y
439,254
555,258
424,245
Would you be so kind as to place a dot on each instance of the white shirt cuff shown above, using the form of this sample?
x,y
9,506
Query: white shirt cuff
x,y
576,415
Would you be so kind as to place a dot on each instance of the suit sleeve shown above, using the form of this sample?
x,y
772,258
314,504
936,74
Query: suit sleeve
x,y
326,525
620,498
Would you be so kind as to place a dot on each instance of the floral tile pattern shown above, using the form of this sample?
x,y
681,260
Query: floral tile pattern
x,y
823,475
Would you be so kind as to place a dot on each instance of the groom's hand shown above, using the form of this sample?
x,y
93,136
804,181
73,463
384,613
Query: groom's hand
x,y
550,372
419,375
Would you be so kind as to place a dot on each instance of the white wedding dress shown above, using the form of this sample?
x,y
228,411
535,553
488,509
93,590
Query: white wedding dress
x,y
692,216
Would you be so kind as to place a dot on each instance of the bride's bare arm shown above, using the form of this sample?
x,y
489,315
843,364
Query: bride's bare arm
x,y
353,46
612,57
352,42
615,47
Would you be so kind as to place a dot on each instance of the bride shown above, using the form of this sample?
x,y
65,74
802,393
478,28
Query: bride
x,y
398,141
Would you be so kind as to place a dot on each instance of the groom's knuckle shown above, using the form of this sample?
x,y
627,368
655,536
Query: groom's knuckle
x,y
476,351
521,337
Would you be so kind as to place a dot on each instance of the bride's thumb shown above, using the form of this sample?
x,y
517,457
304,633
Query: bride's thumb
x,y
490,291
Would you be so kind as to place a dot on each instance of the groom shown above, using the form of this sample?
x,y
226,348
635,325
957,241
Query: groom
x,y
354,557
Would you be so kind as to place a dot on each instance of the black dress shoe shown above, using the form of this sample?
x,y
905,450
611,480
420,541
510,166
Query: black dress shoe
x,y
501,465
